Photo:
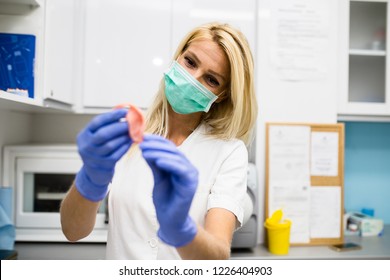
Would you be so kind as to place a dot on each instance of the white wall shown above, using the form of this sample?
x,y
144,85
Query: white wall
x,y
57,128
283,97
18,127
15,128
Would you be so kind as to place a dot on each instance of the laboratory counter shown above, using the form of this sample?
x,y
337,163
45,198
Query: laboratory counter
x,y
372,247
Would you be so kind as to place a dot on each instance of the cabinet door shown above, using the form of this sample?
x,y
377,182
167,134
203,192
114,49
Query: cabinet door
x,y
364,76
59,50
188,14
127,47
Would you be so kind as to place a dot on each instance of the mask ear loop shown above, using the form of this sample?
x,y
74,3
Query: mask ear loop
x,y
220,94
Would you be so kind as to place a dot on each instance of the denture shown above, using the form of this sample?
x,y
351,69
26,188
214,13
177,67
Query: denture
x,y
136,121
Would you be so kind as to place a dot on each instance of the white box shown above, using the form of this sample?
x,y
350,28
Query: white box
x,y
368,226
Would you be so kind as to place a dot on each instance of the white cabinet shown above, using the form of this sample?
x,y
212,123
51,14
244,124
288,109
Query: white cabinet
x,y
59,62
52,24
364,78
188,14
22,19
129,44
127,49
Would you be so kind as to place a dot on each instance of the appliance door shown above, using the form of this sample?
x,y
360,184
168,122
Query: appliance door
x,y
41,184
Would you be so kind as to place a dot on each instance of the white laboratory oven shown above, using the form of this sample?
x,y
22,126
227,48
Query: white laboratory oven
x,y
40,176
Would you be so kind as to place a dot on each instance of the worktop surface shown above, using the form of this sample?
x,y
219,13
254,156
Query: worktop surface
x,y
373,247
376,247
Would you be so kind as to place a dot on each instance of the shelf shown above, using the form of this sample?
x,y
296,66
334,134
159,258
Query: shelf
x,y
383,1
367,52
18,7
16,98
20,2
13,102
362,118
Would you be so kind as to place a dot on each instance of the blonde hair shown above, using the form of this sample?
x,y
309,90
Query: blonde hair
x,y
233,117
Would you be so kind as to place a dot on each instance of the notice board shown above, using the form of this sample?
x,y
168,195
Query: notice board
x,y
305,178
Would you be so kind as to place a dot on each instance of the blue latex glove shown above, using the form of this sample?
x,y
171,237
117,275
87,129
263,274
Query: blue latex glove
x,y
175,183
101,144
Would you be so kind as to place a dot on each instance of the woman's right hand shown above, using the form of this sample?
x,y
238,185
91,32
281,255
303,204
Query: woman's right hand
x,y
101,144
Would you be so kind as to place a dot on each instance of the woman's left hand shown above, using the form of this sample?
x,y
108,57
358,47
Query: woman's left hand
x,y
175,183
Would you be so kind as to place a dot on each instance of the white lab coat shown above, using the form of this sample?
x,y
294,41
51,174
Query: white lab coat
x,y
133,225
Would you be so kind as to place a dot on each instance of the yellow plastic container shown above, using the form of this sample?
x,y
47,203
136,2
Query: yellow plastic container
x,y
278,236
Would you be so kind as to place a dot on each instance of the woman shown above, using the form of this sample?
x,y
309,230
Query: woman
x,y
180,194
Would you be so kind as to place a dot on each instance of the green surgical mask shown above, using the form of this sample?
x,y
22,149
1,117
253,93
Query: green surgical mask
x,y
186,94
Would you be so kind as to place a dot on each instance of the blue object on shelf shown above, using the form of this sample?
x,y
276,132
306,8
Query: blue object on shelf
x,y
17,55
368,211
7,228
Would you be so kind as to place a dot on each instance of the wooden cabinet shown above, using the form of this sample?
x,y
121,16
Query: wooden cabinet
x,y
364,89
